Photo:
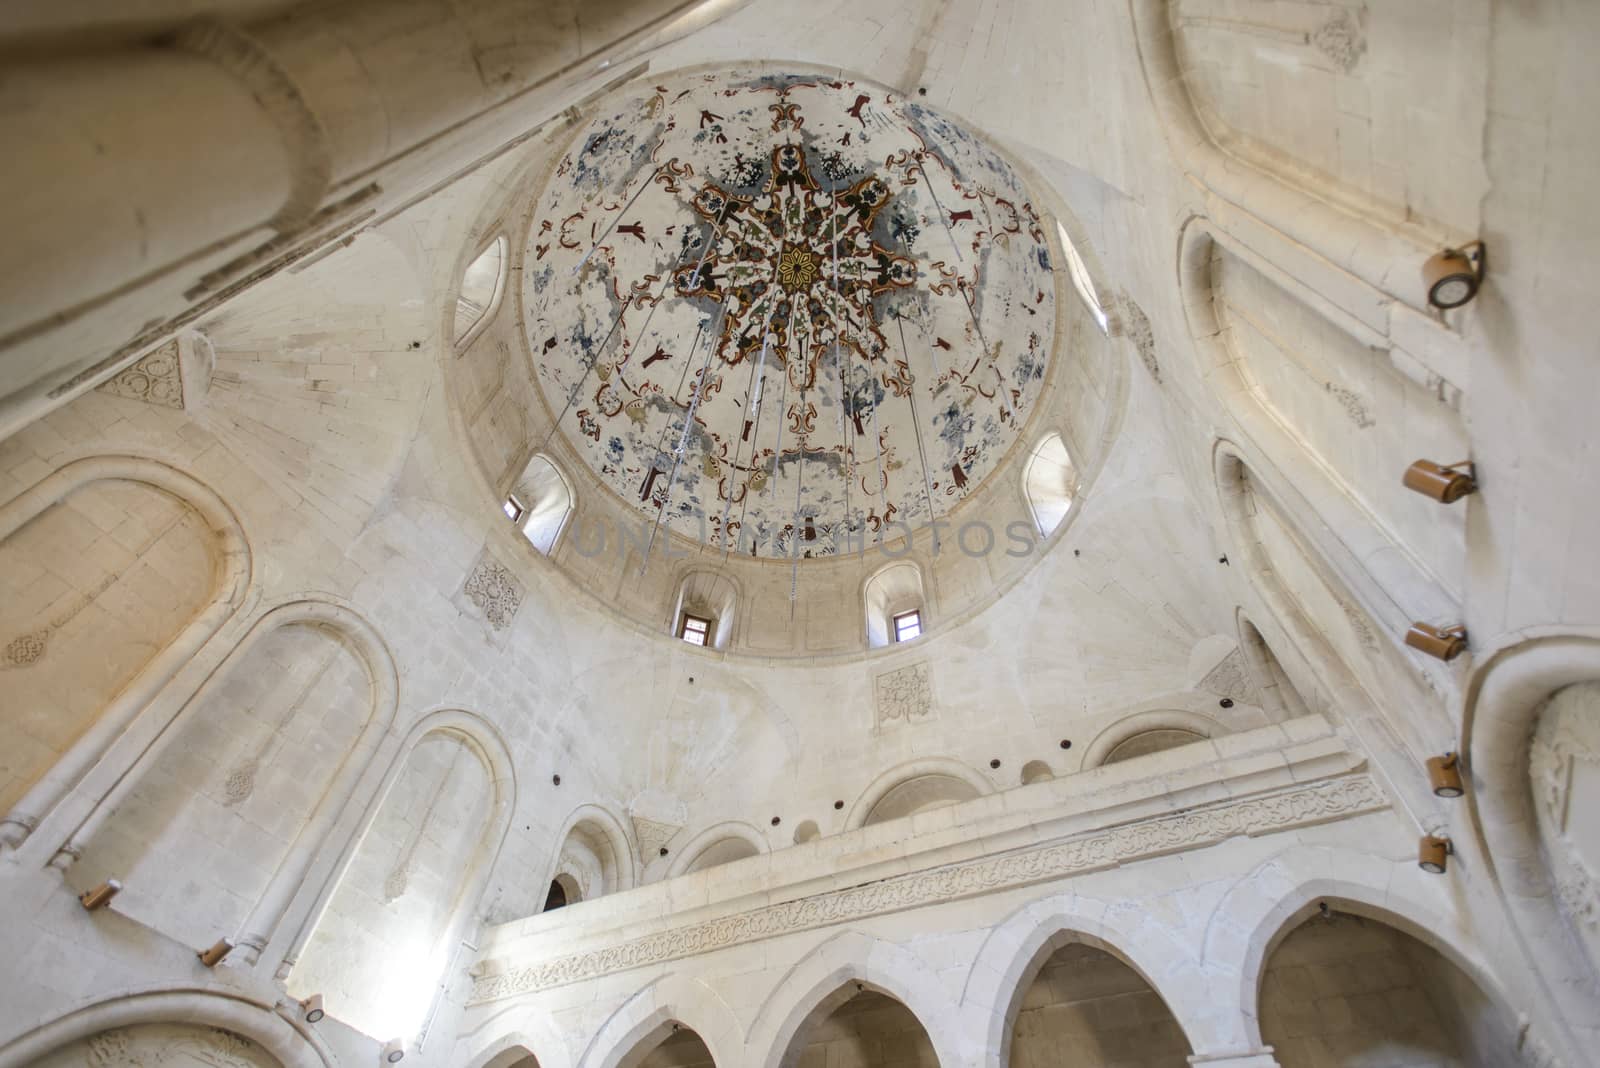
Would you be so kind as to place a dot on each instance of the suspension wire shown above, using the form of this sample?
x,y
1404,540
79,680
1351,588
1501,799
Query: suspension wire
x,y
922,172
783,415
594,357
1005,394
794,563
596,246
752,392
683,438
911,393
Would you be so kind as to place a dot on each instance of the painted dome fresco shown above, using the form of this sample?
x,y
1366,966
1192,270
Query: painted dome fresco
x,y
787,315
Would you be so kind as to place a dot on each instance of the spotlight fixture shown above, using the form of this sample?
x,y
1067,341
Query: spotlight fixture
x,y
1444,773
100,896
1443,643
214,956
1432,853
394,1051
311,1007
1446,484
1453,275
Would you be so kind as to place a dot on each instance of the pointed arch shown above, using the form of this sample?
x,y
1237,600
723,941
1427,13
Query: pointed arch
x,y
1015,950
826,977
1126,729
646,1017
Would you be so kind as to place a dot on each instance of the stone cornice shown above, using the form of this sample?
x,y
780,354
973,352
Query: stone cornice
x,y
1105,848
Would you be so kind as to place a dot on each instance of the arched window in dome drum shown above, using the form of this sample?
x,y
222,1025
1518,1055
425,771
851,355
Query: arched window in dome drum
x,y
483,286
1049,480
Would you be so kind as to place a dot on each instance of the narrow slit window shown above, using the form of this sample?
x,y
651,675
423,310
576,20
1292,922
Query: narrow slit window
x,y
1081,281
907,625
513,509
694,629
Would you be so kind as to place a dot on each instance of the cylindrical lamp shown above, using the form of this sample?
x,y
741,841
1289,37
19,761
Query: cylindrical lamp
x,y
1446,485
1433,854
1444,774
1443,643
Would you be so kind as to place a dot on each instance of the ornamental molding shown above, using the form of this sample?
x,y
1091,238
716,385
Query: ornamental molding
x,y
1106,848
495,591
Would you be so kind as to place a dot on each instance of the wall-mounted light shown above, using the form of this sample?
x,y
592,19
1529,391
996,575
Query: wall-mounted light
x,y
1444,773
1453,275
1443,643
1433,853
1445,484
100,896
214,956
311,1008
394,1051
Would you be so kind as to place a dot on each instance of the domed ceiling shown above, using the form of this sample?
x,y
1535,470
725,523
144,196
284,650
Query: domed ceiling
x,y
772,312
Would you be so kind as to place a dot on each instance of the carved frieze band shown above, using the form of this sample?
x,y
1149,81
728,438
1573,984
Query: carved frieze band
x,y
1201,826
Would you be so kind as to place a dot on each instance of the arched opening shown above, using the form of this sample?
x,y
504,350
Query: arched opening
x,y
1564,770
808,831
482,289
703,610
896,607
722,851
1157,740
1078,271
1342,990
1083,999
391,927
1049,480
920,793
1279,696
1036,771
515,1057
595,857
540,503
672,1046
564,890
860,1026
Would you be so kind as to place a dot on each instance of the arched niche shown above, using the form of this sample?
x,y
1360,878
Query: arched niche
x,y
807,831
1279,695
1529,725
1049,481
392,925
892,590
1036,771
1340,409
482,289
722,843
197,838
597,852
1079,994
170,1045
676,1047
860,1026
565,889
915,787
708,596
165,1027
1291,106
1344,647
516,1057
1147,732
114,571
1341,990
540,503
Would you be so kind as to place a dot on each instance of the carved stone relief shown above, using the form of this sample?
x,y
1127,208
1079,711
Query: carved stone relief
x,y
1231,679
1564,777
155,378
495,591
160,1045
651,836
1341,39
1142,336
1353,405
904,695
